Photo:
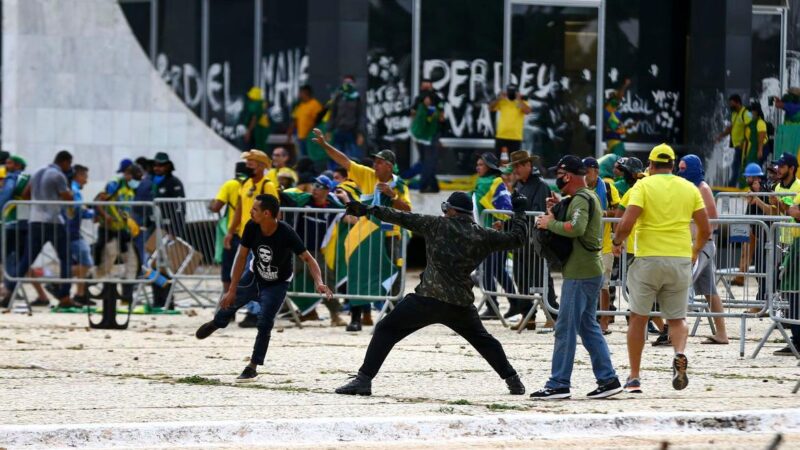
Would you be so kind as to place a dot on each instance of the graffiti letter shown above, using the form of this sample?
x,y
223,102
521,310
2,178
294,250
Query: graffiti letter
x,y
213,86
526,76
478,78
429,66
457,78
189,74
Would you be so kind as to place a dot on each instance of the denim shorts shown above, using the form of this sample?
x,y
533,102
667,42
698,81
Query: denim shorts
x,y
80,253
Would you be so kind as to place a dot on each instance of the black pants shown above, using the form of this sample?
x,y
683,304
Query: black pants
x,y
415,312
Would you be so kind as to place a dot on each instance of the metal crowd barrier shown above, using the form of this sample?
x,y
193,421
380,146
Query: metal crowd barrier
x,y
737,203
784,307
86,244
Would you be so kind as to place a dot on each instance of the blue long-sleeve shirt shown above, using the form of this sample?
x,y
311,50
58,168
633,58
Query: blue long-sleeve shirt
x,y
9,185
78,213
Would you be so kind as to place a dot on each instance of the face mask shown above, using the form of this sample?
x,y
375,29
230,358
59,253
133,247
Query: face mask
x,y
133,184
560,183
158,179
347,86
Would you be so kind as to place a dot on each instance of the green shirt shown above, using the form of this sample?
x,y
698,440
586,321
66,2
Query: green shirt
x,y
426,123
586,232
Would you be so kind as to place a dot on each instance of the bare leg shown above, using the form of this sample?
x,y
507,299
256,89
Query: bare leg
x,y
604,305
659,323
715,304
678,333
636,330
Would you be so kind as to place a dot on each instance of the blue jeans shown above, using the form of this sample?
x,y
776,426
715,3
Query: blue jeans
x,y
577,317
345,141
270,298
39,235
253,306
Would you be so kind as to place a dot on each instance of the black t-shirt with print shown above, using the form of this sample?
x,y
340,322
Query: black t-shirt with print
x,y
272,255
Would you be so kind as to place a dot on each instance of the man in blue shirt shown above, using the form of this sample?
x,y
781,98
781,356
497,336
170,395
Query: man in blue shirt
x,y
80,253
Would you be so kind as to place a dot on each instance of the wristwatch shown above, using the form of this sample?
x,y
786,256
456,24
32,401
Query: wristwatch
x,y
615,243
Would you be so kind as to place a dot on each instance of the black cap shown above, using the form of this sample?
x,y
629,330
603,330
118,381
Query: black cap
x,y
386,155
591,163
459,201
4,155
571,164
786,159
491,160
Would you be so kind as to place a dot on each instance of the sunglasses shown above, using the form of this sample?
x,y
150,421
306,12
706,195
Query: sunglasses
x,y
320,186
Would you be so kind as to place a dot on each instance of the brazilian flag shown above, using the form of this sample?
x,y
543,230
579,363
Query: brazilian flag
x,y
370,271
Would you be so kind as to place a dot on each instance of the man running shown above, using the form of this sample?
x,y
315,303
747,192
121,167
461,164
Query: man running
x,y
455,246
272,243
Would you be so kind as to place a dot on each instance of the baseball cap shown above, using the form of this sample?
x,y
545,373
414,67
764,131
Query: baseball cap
x,y
124,164
459,201
571,164
591,163
386,155
19,160
786,159
662,153
322,180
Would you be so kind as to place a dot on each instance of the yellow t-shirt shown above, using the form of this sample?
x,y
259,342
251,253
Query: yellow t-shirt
x,y
739,122
229,195
668,203
607,226
788,234
510,120
630,246
366,180
247,196
305,115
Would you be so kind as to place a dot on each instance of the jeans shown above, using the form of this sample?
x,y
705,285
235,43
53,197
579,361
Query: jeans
x,y
345,141
39,235
736,169
577,317
415,312
430,160
269,296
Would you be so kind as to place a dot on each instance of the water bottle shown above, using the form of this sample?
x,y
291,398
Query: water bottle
x,y
156,277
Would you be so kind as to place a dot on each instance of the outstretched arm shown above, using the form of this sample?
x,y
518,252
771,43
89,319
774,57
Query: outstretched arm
x,y
337,156
516,237
416,223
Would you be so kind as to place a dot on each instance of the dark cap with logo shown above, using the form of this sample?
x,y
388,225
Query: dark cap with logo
x,y
571,164
787,159
386,155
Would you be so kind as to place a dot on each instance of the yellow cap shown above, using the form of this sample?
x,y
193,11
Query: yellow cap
x,y
662,153
255,94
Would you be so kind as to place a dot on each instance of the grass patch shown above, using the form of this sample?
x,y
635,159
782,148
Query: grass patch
x,y
460,402
198,380
503,407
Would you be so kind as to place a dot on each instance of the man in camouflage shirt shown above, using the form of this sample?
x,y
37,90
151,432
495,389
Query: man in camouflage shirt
x,y
455,246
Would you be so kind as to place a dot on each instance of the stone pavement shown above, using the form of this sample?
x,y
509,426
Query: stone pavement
x,y
55,370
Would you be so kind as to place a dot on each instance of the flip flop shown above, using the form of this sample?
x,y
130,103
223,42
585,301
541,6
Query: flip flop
x,y
606,332
709,340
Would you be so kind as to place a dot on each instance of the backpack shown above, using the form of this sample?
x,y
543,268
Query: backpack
x,y
554,248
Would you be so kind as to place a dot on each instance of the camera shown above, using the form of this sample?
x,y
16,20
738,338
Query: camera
x,y
771,101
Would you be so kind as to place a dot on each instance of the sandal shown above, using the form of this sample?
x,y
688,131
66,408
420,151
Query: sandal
x,y
710,340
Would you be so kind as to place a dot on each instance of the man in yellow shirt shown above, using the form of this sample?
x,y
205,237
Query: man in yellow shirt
x,y
257,163
304,118
662,206
228,197
740,119
512,108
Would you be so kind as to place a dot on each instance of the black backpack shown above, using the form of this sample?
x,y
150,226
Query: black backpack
x,y
554,248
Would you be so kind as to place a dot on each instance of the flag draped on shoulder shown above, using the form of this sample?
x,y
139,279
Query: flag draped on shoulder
x,y
370,271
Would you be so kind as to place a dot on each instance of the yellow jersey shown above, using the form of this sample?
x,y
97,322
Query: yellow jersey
x,y
247,196
510,120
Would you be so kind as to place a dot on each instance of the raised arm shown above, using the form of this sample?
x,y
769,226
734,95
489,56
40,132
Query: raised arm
x,y
516,237
416,223
337,156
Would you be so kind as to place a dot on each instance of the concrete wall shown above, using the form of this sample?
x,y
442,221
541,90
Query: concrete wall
x,y
75,78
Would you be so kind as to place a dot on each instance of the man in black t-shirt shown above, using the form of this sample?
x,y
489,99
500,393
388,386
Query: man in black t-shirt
x,y
272,243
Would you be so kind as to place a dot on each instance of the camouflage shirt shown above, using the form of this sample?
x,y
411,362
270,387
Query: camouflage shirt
x,y
454,247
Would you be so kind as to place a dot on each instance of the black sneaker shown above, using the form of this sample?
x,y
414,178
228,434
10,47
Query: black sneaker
x,y
353,327
785,351
359,385
662,340
607,390
250,321
5,301
515,386
488,314
83,300
248,374
679,378
651,328
633,386
551,394
205,330
42,302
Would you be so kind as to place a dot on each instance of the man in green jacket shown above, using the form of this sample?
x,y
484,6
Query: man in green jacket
x,y
583,277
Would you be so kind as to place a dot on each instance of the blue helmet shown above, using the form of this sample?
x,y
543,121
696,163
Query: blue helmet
x,y
753,170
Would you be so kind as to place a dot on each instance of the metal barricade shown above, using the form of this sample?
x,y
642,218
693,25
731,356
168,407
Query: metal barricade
x,y
758,203
784,304
361,260
86,243
190,250
521,274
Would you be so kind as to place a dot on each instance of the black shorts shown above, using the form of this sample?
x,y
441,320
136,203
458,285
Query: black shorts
x,y
510,145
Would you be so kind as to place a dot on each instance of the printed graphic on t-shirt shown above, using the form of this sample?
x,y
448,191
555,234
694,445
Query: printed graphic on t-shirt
x,y
265,269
